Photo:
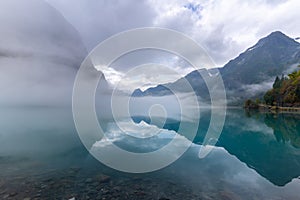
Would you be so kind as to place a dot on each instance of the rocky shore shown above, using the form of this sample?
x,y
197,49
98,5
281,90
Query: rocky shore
x,y
68,185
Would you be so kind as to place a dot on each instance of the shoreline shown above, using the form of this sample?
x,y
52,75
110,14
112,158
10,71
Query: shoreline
x,y
274,109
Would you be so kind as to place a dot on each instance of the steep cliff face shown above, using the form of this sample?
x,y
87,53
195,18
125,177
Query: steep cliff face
x,y
40,53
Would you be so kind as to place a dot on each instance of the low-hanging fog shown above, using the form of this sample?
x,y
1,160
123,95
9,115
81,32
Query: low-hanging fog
x,y
40,53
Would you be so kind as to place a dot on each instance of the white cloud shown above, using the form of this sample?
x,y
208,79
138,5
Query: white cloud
x,y
253,89
97,20
144,76
112,76
143,136
130,71
224,28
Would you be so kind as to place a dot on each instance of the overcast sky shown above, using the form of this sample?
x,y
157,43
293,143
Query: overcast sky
x,y
224,27
44,38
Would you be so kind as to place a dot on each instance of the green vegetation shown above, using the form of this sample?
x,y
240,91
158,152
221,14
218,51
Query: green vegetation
x,y
285,93
286,127
252,104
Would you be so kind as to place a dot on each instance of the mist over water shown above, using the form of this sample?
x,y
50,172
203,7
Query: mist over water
x,y
43,156
40,54
38,144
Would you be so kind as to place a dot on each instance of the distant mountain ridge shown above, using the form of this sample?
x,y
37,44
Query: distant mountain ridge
x,y
248,74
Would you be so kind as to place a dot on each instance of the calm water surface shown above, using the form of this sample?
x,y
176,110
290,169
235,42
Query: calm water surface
x,y
41,157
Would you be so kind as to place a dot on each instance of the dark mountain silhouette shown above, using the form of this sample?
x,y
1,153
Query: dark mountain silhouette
x,y
270,57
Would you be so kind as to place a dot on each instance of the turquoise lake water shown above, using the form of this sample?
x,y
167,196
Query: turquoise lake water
x,y
257,156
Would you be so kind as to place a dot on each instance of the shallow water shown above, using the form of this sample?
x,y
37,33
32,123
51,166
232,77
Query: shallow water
x,y
41,157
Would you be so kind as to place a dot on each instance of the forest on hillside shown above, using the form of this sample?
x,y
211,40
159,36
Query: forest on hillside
x,y
285,92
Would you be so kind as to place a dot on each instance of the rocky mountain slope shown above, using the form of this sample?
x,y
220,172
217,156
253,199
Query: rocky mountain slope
x,y
248,75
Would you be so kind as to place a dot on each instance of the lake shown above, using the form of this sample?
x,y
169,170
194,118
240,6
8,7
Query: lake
x,y
257,156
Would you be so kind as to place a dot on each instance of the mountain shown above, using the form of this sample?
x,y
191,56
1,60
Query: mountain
x,y
269,57
248,75
40,53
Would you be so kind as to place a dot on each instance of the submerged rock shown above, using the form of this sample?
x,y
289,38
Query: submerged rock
x,y
103,178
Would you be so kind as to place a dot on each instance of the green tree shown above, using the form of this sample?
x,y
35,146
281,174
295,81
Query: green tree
x,y
257,101
276,83
293,75
269,97
248,103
